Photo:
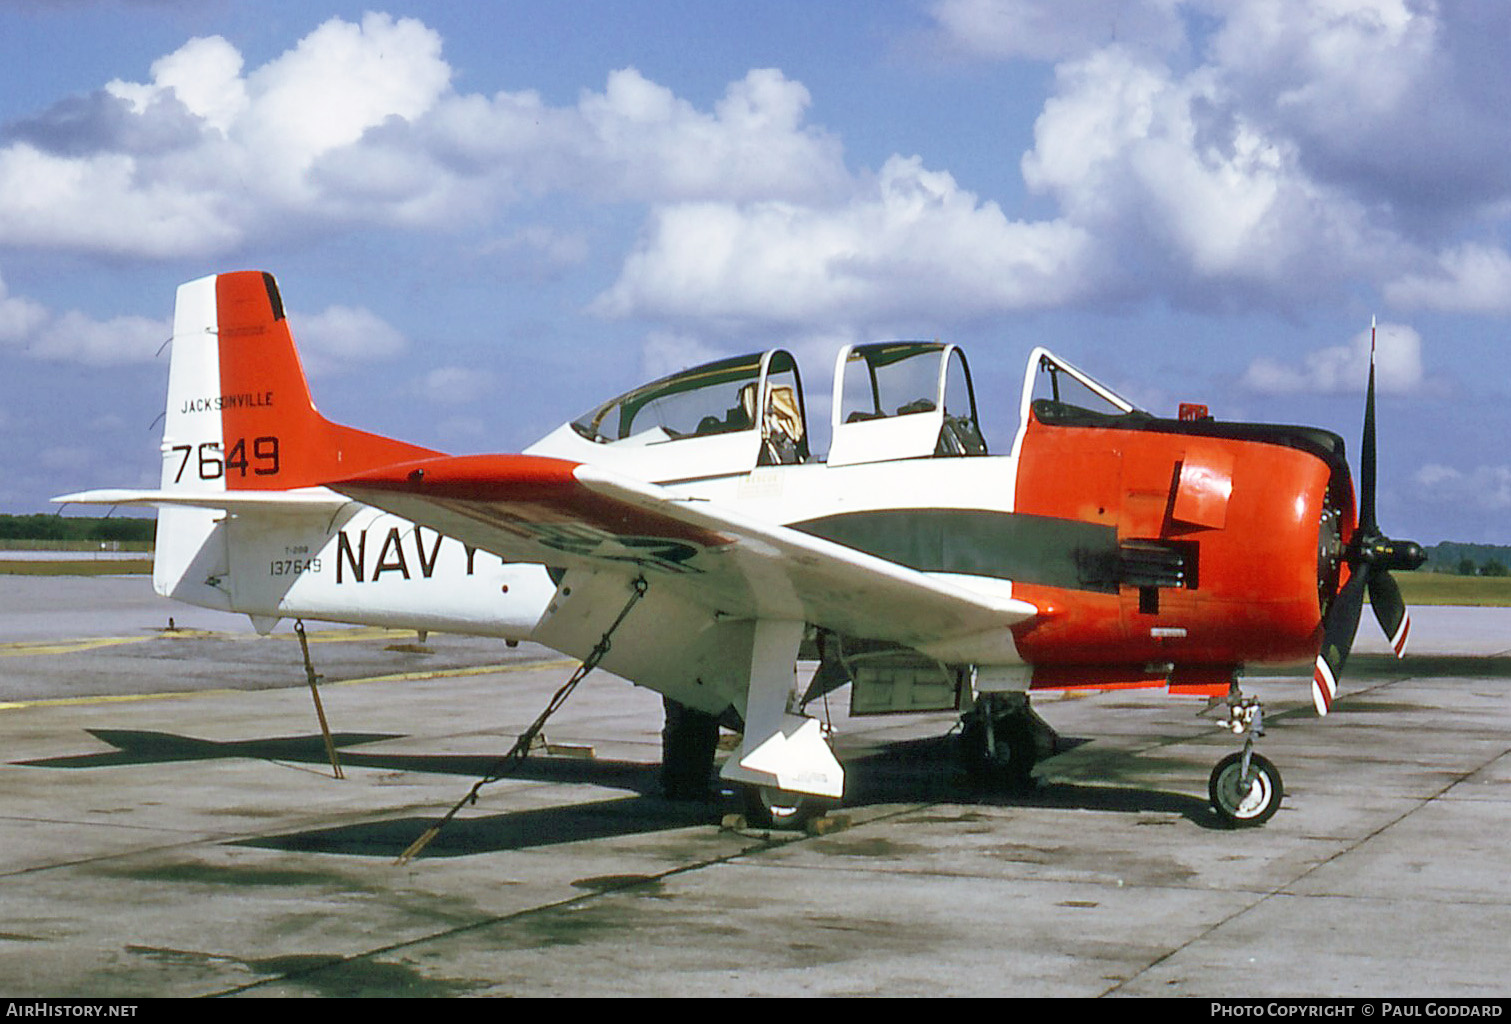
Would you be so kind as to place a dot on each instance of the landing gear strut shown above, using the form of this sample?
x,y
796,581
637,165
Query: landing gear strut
x,y
1001,739
1245,787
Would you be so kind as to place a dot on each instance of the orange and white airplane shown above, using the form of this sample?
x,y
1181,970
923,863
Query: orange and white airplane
x,y
1108,548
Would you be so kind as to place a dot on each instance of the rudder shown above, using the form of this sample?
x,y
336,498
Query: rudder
x,y
240,417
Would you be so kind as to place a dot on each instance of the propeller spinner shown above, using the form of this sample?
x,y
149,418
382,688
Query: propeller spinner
x,y
1370,558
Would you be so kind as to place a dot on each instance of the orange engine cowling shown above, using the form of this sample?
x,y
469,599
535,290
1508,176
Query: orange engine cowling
x,y
1228,546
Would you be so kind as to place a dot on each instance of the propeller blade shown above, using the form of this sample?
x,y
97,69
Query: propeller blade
x,y
1367,523
1371,555
1338,639
1390,609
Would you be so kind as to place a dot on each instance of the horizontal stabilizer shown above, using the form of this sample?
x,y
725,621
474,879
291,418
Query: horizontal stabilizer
x,y
314,499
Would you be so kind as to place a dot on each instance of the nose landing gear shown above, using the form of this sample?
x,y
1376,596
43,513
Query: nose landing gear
x,y
1245,787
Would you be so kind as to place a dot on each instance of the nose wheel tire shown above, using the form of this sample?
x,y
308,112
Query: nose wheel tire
x,y
1245,801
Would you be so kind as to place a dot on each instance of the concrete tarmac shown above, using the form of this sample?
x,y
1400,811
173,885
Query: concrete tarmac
x,y
169,827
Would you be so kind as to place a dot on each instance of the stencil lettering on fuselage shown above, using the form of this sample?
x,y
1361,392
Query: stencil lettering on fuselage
x,y
401,553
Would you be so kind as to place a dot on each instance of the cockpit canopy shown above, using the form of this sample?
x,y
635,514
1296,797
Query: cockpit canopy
x,y
1054,381
698,423
1055,391
891,400
716,398
903,400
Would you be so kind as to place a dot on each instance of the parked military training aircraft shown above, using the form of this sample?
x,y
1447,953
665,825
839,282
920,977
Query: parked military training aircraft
x,y
1109,548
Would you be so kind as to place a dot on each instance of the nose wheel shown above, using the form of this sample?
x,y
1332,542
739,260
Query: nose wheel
x,y
1245,787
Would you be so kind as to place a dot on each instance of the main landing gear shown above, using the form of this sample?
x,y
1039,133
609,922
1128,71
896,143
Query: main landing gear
x,y
1245,787
689,742
1001,739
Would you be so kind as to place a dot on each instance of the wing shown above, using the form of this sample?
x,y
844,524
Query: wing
x,y
577,516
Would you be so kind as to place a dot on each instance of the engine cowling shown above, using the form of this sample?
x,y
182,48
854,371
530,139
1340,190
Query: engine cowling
x,y
1230,544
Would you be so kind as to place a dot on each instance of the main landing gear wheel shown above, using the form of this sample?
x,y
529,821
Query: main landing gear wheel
x,y
1003,761
769,807
1245,801
1001,740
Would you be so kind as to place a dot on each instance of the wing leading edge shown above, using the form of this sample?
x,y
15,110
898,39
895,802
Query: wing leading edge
x,y
577,516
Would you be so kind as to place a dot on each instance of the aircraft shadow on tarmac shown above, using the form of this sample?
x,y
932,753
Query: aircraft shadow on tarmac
x,y
903,772
141,746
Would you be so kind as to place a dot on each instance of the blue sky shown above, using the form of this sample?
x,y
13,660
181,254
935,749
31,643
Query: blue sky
x,y
487,217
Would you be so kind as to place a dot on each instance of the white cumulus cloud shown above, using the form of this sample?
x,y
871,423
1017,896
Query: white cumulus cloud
x,y
204,75
1269,152
75,337
358,123
1048,30
341,337
1192,196
19,317
456,385
1484,488
1469,278
29,327
1212,155
203,156
910,242
1345,368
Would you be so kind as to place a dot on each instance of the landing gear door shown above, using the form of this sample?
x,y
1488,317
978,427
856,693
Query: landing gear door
x,y
903,400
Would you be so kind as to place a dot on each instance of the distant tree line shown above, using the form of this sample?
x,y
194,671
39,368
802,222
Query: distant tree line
x,y
1469,567
42,526
1469,559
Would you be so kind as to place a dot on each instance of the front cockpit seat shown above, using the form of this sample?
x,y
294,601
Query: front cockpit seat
x,y
782,441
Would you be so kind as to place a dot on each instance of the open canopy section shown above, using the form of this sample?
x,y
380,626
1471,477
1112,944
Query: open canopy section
x,y
903,400
1055,391
1051,379
722,417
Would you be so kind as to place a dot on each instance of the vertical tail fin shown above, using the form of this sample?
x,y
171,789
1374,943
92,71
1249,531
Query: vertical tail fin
x,y
240,418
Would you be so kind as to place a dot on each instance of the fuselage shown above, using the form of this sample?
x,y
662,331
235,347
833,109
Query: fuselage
x,y
1156,551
